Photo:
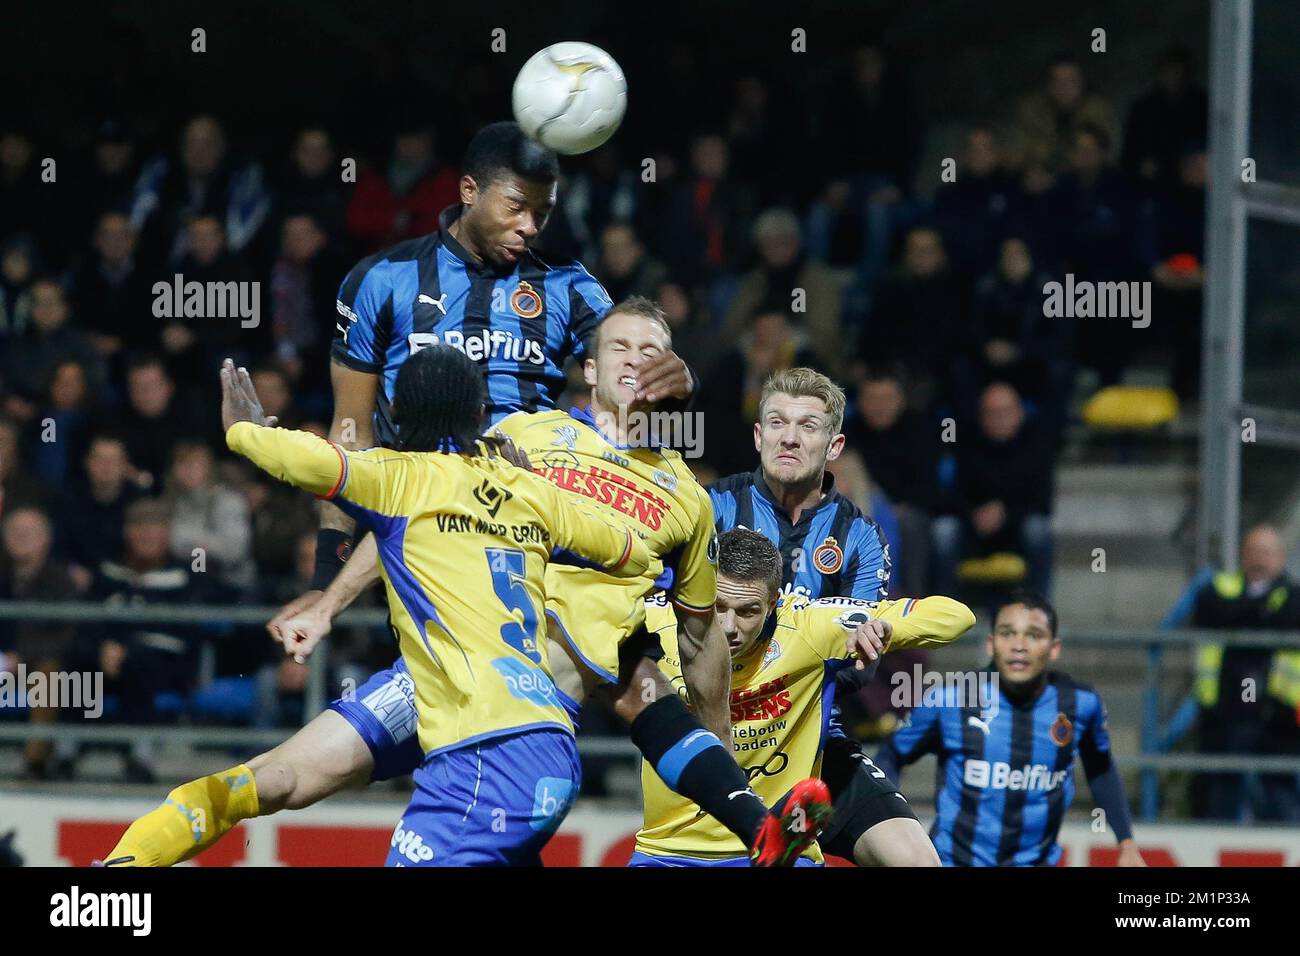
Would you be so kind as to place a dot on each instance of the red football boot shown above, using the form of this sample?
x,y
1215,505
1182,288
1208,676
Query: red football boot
x,y
782,838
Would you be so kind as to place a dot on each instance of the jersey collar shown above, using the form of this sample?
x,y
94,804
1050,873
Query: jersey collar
x,y
472,265
829,494
1030,702
584,415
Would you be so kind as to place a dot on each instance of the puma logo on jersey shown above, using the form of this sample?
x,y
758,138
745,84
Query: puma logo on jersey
x,y
973,721
430,300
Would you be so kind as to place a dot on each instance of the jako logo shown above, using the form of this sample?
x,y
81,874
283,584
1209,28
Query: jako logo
x,y
527,683
1000,776
497,343
103,909
411,845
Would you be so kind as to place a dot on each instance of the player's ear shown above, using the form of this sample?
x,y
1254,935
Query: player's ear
x,y
758,436
589,372
1055,652
988,645
468,190
836,448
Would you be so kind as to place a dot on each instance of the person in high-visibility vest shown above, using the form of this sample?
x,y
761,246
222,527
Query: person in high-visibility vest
x,y
1250,696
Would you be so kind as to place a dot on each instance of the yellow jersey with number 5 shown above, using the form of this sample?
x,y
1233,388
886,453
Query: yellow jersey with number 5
x,y
463,545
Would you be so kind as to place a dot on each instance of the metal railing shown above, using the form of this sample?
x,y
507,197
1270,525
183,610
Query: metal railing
x,y
1155,724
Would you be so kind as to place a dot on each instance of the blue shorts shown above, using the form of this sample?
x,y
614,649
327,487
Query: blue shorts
x,y
382,712
493,803
645,859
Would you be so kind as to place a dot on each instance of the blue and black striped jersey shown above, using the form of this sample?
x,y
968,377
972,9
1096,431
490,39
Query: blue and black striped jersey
x,y
833,550
1005,775
519,324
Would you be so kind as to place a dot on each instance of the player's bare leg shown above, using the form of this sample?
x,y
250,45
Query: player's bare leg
x,y
897,842
324,757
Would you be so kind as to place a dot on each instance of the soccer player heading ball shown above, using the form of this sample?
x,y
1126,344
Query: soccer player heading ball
x,y
475,285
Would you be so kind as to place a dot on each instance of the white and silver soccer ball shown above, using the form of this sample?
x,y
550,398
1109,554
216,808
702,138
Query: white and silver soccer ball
x,y
570,97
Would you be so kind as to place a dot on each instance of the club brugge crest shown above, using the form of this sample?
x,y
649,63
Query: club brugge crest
x,y
829,556
1062,731
526,302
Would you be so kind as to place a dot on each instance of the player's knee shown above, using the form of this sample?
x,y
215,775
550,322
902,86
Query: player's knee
x,y
321,759
894,843
918,852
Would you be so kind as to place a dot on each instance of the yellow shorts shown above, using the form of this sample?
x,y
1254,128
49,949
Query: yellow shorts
x,y
596,612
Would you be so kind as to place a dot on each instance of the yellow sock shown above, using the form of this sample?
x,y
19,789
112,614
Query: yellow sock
x,y
193,817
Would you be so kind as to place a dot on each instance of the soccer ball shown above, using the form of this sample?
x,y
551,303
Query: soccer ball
x,y
570,97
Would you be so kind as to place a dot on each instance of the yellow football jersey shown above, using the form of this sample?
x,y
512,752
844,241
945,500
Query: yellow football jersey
x,y
463,543
647,490
781,695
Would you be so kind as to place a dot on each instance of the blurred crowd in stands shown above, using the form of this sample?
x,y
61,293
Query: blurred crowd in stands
x,y
769,246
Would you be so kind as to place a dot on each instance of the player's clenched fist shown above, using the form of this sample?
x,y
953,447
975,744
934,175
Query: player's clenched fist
x,y
301,633
275,626
868,641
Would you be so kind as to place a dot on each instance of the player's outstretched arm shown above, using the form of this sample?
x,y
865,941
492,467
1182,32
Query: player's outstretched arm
x,y
841,627
249,432
924,622
301,458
